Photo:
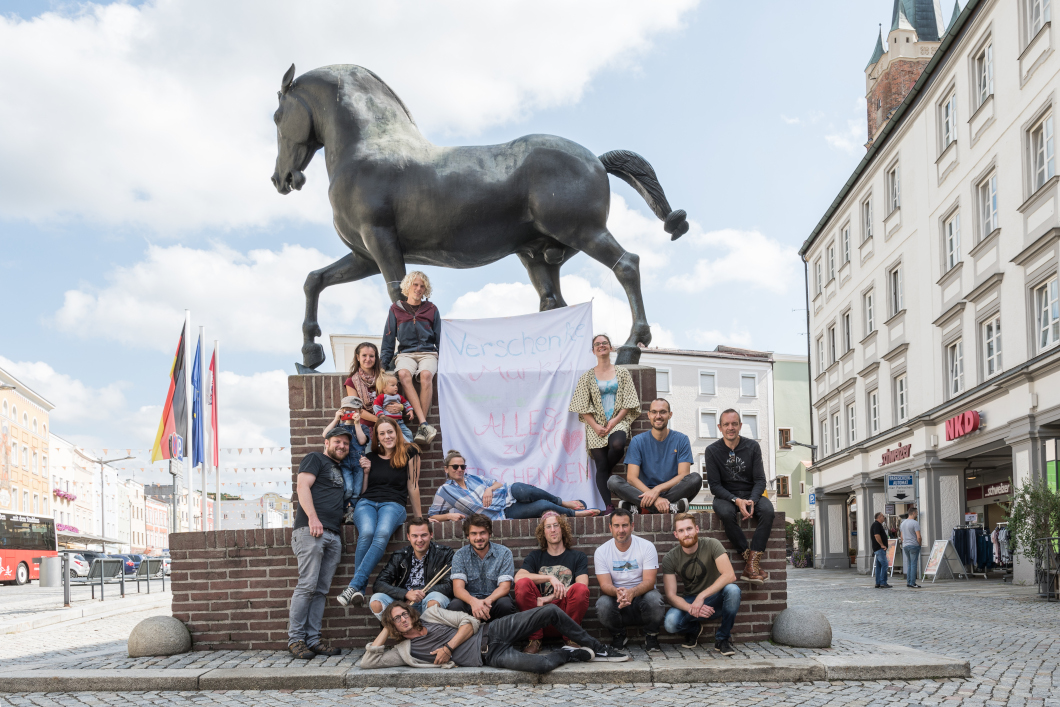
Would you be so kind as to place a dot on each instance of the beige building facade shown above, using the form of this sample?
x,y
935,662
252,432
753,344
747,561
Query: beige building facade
x,y
25,479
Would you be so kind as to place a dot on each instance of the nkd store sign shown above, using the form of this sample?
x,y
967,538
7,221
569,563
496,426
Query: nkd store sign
x,y
964,424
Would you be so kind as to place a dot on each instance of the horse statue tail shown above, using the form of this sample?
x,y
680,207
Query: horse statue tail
x,y
635,171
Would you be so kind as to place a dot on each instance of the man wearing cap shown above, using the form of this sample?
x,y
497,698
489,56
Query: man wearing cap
x,y
348,419
316,543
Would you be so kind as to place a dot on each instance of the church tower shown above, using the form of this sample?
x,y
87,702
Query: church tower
x,y
916,32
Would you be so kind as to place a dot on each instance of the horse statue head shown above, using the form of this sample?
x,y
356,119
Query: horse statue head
x,y
295,137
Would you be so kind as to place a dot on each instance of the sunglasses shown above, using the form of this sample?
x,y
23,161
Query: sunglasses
x,y
460,467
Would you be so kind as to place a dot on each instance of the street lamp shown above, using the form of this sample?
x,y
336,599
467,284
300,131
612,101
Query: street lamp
x,y
102,491
811,447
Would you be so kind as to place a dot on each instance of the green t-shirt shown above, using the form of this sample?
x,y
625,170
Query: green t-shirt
x,y
696,571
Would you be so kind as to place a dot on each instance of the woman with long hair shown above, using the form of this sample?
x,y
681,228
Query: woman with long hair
x,y
463,495
391,482
607,403
364,371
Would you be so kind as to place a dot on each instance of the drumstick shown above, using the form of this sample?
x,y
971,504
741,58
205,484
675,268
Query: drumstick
x,y
437,578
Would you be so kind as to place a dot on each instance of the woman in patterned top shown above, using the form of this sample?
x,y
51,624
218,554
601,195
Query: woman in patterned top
x,y
463,495
607,403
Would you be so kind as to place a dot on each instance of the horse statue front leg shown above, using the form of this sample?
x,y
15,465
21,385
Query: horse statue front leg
x,y
347,269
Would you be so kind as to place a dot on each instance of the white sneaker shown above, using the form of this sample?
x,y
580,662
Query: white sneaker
x,y
431,433
350,596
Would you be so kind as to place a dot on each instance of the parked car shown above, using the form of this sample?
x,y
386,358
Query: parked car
x,y
91,555
137,558
79,566
130,564
165,564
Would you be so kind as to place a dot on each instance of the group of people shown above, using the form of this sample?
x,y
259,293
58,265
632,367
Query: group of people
x,y
368,475
909,533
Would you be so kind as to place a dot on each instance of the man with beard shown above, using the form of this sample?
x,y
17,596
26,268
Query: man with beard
x,y
708,584
738,480
411,568
482,574
316,542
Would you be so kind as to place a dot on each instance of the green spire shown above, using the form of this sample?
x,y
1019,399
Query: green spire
x,y
901,17
956,12
877,52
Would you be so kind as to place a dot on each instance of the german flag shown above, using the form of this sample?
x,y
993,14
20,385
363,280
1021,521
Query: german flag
x,y
172,435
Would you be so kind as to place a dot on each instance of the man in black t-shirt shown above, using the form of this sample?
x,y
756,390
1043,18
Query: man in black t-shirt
x,y
737,479
553,574
878,536
316,542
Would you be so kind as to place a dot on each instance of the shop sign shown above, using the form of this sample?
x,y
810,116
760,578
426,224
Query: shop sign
x,y
963,424
971,517
900,488
999,489
888,509
897,455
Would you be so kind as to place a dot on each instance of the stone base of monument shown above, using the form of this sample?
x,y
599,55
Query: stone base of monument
x,y
157,636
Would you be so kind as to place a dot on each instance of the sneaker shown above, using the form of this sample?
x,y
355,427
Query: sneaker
x,y
421,434
651,642
915,586
325,649
582,655
886,586
692,637
724,647
619,640
350,596
610,655
347,518
300,650
430,434
631,507
533,647
570,644
681,506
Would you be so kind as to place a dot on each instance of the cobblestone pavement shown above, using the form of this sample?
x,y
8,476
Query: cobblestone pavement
x,y
1010,637
22,602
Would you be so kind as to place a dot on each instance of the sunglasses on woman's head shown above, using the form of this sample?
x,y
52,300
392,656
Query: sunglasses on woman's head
x,y
461,467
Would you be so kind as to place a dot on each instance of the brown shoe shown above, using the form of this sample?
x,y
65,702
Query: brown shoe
x,y
570,644
758,577
325,649
533,647
300,650
747,570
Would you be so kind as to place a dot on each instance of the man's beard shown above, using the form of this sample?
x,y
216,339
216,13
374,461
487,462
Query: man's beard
x,y
334,454
688,542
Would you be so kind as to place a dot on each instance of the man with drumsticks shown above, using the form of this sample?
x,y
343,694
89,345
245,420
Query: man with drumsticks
x,y
417,574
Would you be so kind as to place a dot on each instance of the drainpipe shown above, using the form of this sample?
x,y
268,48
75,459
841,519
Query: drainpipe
x,y
809,358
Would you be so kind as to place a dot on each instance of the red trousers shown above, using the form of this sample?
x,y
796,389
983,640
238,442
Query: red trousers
x,y
574,604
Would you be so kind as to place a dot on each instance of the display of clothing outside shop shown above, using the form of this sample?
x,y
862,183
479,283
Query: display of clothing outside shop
x,y
974,547
999,539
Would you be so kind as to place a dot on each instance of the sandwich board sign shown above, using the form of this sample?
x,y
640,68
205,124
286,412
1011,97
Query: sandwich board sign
x,y
900,488
944,559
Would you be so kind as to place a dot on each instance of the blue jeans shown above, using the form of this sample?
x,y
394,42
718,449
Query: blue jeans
x,y
880,566
375,522
531,502
386,600
352,473
725,604
911,555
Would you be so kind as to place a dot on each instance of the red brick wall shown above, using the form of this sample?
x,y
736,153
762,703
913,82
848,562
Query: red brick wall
x,y
233,588
891,89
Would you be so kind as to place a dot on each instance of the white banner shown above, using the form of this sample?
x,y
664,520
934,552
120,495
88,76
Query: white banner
x,y
504,386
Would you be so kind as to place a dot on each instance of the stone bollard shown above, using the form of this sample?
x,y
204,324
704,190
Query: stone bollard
x,y
159,635
802,627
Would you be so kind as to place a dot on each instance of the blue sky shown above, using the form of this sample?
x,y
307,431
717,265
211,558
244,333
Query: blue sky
x,y
138,144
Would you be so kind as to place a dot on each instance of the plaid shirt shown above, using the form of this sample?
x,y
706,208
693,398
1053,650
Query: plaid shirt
x,y
453,497
482,575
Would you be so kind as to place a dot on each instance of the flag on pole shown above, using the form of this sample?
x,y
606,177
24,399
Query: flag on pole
x,y
198,448
213,407
173,427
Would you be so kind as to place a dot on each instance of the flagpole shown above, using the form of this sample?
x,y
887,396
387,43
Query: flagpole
x,y
188,407
215,434
202,391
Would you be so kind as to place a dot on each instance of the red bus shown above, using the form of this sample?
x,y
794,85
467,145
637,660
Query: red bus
x,y
23,537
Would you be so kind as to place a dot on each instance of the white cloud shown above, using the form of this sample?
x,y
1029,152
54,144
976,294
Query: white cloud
x,y
75,403
852,141
611,314
251,302
159,114
790,121
743,257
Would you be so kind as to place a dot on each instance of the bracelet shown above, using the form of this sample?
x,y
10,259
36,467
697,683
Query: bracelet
x,y
446,646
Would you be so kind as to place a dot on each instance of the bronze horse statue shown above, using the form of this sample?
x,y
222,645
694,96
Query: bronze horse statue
x,y
397,198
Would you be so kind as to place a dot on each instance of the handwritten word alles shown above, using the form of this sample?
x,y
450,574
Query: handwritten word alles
x,y
521,345
509,425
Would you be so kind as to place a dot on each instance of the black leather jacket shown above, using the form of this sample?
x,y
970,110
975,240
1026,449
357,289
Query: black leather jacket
x,y
391,581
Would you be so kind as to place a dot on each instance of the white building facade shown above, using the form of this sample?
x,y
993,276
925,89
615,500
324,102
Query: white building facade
x,y
933,281
268,511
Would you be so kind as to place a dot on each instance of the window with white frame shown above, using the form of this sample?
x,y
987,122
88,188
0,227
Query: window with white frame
x,y
845,243
869,305
992,346
1047,314
708,424
831,261
988,206
662,380
948,119
832,357
901,398
895,281
748,385
818,280
955,367
1043,163
866,219
25,457
852,424
984,75
874,412
1038,12
783,487
706,383
894,188
952,231
783,438
820,354
848,335
750,425
824,437
837,432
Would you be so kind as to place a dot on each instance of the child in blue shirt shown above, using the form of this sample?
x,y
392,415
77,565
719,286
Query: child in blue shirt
x,y
348,418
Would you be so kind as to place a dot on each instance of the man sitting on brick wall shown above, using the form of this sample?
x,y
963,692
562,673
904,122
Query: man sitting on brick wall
x,y
737,479
316,542
449,638
483,573
658,467
410,569
707,580
553,574
626,567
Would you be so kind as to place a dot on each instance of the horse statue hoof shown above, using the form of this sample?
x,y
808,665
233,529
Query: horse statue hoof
x,y
628,356
312,357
